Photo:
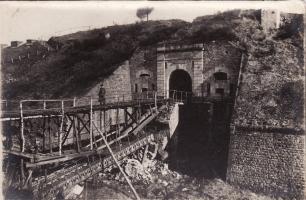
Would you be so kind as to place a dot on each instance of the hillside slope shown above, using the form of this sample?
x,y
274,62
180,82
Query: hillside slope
x,y
84,58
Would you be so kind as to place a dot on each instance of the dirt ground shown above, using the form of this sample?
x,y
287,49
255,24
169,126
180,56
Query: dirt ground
x,y
164,184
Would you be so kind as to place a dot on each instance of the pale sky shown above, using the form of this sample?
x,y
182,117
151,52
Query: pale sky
x,y
34,20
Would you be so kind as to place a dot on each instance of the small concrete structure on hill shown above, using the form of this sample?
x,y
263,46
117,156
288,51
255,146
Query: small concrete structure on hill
x,y
15,44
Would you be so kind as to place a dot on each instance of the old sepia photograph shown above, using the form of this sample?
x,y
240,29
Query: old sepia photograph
x,y
169,100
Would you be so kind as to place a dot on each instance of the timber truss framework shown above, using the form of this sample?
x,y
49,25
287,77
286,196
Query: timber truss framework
x,y
50,149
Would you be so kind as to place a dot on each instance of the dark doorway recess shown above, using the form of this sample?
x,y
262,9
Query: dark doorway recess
x,y
220,91
199,146
180,81
220,76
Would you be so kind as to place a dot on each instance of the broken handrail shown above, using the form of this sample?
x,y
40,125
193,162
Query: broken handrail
x,y
41,104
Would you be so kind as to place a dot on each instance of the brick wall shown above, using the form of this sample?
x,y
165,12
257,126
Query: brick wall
x,y
270,163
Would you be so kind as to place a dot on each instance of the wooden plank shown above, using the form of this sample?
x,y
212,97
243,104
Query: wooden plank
x,y
67,133
15,115
84,124
76,129
131,116
44,135
90,125
22,147
18,153
22,171
50,136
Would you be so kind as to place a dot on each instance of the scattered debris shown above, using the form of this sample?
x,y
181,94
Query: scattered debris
x,y
76,191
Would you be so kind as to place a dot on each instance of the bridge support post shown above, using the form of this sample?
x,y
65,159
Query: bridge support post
x,y
181,96
22,176
75,133
155,99
22,128
125,117
210,120
61,130
44,134
50,136
104,120
29,179
90,128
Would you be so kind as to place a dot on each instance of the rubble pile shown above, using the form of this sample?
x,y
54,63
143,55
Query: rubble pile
x,y
165,184
137,171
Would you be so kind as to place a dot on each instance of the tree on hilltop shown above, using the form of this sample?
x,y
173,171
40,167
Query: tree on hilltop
x,y
144,12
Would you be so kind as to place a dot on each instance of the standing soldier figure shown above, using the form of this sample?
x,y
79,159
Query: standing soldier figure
x,y
102,95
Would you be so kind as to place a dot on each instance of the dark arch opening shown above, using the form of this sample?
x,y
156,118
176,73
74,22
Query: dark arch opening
x,y
220,76
180,80
144,75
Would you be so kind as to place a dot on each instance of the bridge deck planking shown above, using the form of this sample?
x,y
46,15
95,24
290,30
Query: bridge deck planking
x,y
56,112
78,109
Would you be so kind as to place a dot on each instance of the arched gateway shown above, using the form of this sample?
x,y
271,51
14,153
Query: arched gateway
x,y
205,70
180,80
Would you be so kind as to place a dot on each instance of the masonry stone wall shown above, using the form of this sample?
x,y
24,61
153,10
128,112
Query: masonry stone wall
x,y
173,57
220,57
266,162
143,63
117,87
267,139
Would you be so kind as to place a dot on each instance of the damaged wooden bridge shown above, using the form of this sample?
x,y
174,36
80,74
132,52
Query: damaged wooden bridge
x,y
55,147
52,145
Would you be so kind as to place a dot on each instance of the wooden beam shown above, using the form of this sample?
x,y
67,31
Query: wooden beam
x,y
44,135
117,163
22,147
61,130
22,171
84,124
76,133
62,158
131,116
28,178
90,125
67,133
125,117
17,153
50,136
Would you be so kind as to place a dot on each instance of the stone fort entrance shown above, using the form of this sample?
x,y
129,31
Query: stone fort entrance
x,y
180,80
205,69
